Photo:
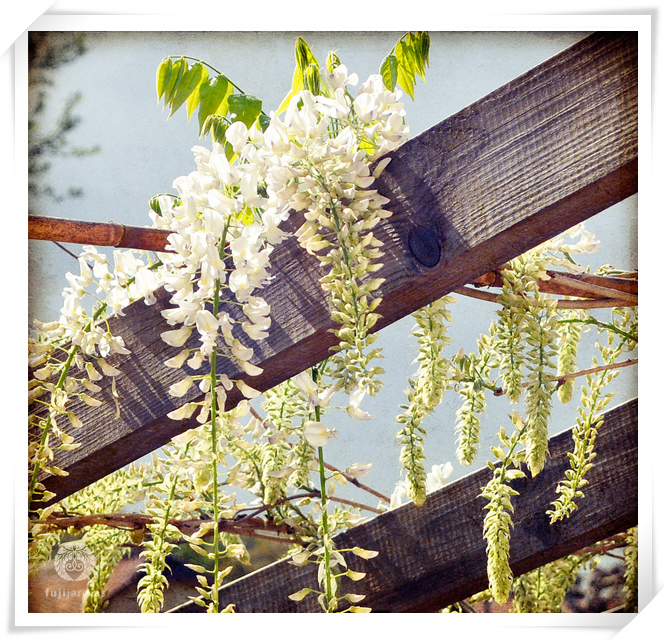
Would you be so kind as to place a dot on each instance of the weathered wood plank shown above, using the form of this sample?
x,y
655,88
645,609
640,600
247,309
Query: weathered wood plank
x,y
542,153
434,555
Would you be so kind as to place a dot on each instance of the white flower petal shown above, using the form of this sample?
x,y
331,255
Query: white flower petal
x,y
181,388
247,390
317,433
176,337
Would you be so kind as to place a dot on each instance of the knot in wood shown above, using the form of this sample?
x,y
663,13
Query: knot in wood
x,y
423,243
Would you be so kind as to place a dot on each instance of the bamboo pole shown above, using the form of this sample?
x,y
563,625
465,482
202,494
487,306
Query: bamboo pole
x,y
103,234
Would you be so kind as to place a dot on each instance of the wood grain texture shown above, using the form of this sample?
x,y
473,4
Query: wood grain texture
x,y
544,152
434,555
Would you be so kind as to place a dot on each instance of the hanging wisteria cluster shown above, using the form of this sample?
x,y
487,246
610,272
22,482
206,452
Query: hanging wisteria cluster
x,y
225,222
315,159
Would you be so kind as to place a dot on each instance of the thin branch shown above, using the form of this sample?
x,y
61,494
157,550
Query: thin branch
x,y
599,368
499,391
466,607
263,508
591,303
240,523
592,289
64,249
354,481
567,284
349,478
617,541
355,504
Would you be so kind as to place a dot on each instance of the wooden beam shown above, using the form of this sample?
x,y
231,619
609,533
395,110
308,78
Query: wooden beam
x,y
434,555
535,157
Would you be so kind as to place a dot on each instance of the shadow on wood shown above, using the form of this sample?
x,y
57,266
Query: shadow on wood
x,y
535,157
434,555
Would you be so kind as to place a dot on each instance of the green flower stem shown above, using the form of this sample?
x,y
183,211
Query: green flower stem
x,y
323,499
508,458
497,391
59,385
213,431
593,321
315,374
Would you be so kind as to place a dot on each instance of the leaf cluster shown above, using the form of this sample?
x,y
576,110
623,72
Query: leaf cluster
x,y
407,60
218,100
271,456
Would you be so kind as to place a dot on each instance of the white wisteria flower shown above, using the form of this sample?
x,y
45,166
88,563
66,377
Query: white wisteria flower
x,y
180,414
317,433
307,386
438,475
176,337
358,470
181,388
353,408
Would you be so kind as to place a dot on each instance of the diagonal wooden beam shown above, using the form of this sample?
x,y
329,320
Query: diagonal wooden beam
x,y
434,555
535,157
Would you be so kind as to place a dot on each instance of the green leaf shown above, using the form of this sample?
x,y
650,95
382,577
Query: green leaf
x,y
286,101
405,74
195,96
216,126
423,44
213,99
163,76
417,44
411,55
178,69
389,70
245,107
190,80
264,121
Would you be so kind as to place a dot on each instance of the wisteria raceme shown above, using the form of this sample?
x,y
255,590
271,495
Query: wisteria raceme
x,y
594,399
544,589
631,587
329,183
541,338
425,393
316,160
431,334
497,532
511,317
476,370
569,336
